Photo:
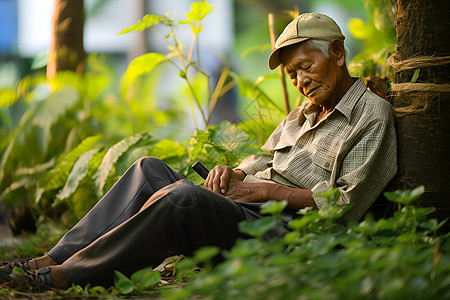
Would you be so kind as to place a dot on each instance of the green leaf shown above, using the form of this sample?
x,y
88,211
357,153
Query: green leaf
x,y
7,97
48,112
327,194
122,283
19,271
229,137
405,197
415,75
110,159
139,66
165,149
58,175
199,10
138,276
206,253
146,22
151,279
273,207
78,172
257,228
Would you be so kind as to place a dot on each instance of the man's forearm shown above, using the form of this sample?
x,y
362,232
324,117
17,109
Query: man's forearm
x,y
295,197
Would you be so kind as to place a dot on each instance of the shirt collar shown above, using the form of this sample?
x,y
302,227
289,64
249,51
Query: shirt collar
x,y
351,97
345,105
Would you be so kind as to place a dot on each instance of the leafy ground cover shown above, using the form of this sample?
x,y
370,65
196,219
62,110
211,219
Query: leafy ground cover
x,y
396,258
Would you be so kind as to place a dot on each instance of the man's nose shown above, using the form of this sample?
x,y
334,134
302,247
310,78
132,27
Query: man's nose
x,y
302,79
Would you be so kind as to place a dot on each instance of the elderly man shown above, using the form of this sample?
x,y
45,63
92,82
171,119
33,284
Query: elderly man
x,y
343,137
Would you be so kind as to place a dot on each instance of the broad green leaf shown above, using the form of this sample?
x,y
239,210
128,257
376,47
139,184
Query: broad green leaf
x,y
206,253
48,112
56,177
229,137
151,279
110,159
122,283
77,173
19,271
327,194
146,22
273,207
7,97
199,10
138,276
167,149
405,197
95,84
257,228
139,66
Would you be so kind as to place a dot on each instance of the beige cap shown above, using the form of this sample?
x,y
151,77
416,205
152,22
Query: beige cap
x,y
304,27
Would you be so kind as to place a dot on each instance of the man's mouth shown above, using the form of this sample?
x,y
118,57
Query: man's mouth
x,y
309,92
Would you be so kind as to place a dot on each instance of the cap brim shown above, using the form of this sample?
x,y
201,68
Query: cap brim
x,y
274,58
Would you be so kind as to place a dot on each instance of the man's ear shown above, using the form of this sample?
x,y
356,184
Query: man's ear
x,y
337,50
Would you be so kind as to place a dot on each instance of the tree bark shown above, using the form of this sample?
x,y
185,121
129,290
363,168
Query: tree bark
x,y
66,49
424,132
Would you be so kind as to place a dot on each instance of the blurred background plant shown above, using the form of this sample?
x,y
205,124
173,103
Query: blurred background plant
x,y
65,140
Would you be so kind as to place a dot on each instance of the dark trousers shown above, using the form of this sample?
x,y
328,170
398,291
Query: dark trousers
x,y
151,213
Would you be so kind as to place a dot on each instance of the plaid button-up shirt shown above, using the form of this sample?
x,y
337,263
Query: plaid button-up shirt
x,y
354,148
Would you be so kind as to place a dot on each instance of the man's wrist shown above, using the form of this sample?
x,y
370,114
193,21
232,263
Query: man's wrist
x,y
239,174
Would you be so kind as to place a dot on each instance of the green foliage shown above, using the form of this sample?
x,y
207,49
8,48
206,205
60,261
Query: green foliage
x,y
139,281
396,258
378,35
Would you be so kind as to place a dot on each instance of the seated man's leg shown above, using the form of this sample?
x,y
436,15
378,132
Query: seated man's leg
x,y
146,176
177,219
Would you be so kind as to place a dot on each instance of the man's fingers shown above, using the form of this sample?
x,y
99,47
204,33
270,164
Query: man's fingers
x,y
224,179
218,179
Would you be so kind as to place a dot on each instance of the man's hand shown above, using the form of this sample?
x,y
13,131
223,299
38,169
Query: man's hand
x,y
219,177
248,192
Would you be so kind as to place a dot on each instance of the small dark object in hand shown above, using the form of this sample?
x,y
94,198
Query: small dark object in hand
x,y
200,169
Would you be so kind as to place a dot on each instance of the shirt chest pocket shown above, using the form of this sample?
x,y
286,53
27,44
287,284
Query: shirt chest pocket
x,y
324,161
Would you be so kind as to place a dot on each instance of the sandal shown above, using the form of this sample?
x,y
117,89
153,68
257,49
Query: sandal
x,y
32,281
24,264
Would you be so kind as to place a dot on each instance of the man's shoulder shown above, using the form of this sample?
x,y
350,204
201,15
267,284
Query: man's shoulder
x,y
372,105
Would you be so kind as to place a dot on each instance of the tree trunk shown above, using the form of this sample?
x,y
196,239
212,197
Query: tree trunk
x,y
423,123
66,50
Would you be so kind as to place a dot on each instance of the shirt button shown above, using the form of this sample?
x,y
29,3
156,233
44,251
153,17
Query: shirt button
x,y
300,146
327,165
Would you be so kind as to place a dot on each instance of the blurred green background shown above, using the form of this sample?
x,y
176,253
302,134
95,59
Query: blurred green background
x,y
65,140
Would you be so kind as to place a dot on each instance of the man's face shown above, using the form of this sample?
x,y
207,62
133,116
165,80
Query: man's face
x,y
314,75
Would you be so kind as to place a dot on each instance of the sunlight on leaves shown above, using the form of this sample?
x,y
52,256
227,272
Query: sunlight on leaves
x,y
77,173
146,22
139,66
199,10
7,97
110,158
